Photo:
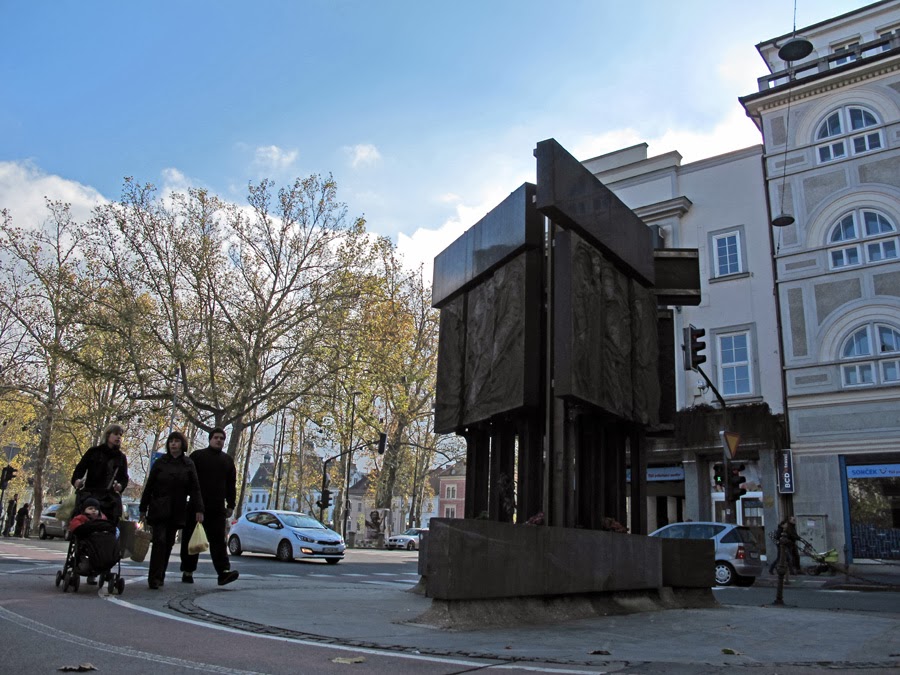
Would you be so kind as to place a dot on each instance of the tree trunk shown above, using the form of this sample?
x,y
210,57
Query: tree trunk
x,y
41,463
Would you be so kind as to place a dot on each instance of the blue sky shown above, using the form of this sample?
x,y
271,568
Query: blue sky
x,y
426,113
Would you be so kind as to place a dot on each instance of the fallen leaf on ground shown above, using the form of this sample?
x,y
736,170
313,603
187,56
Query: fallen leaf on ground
x,y
355,659
601,652
733,652
82,668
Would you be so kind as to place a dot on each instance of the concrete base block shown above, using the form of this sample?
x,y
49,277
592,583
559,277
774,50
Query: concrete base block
x,y
465,615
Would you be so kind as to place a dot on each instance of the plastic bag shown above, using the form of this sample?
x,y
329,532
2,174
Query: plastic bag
x,y
67,507
198,543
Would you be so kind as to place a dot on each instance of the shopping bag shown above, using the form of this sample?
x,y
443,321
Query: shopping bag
x,y
140,544
67,507
198,543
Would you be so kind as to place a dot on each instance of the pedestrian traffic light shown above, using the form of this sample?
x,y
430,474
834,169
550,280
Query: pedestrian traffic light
x,y
692,346
382,443
719,474
325,500
733,489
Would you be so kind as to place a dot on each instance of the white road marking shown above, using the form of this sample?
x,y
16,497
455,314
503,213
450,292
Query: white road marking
x,y
342,648
57,634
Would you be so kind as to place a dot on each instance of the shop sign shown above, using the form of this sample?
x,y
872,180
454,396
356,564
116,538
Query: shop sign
x,y
874,471
660,473
785,472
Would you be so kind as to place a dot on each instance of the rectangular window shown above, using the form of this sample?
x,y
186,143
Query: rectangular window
x,y
734,354
728,254
844,257
832,151
451,492
449,512
882,250
858,375
866,143
845,55
890,371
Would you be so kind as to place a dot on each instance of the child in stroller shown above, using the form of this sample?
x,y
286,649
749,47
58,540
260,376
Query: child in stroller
x,y
93,551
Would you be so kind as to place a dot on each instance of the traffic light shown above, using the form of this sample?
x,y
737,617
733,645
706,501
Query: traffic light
x,y
7,475
325,500
719,474
382,442
733,489
693,345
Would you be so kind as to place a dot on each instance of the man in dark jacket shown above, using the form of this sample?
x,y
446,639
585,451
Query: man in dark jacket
x,y
11,509
102,473
218,480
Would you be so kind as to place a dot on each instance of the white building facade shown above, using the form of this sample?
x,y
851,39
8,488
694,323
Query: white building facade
x,y
831,127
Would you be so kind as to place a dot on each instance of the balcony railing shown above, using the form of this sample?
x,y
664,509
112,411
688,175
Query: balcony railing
x,y
856,54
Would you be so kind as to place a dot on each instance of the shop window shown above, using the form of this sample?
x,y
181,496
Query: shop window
x,y
874,511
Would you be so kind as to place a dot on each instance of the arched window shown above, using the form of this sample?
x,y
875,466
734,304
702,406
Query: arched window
x,y
848,121
878,235
858,348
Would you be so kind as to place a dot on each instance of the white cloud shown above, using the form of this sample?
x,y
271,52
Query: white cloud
x,y
272,159
24,187
363,155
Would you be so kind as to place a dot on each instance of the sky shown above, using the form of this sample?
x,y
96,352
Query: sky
x,y
425,113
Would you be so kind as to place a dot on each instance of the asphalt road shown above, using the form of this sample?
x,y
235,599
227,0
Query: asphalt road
x,y
42,629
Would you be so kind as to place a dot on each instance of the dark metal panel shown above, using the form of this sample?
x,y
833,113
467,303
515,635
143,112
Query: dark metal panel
x,y
510,227
677,276
572,196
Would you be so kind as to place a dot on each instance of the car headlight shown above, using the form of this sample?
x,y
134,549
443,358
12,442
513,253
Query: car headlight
x,y
303,538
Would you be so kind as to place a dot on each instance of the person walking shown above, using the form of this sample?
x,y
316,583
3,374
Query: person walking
x,y
164,503
787,529
11,507
102,473
21,521
218,481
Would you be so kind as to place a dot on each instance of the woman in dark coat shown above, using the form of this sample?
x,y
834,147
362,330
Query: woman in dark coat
x,y
172,480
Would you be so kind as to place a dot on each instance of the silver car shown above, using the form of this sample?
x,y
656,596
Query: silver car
x,y
737,553
51,526
409,540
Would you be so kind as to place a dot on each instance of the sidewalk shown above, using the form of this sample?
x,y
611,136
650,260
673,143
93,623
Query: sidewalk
x,y
860,577
384,616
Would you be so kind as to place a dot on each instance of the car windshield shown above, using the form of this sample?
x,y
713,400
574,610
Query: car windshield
x,y
412,532
299,520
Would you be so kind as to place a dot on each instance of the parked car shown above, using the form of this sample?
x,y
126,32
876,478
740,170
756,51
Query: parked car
x,y
737,553
409,540
287,535
51,526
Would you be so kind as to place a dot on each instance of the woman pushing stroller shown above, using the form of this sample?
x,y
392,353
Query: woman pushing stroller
x,y
172,480
102,474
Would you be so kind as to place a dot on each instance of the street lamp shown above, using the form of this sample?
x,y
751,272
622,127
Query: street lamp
x,y
353,396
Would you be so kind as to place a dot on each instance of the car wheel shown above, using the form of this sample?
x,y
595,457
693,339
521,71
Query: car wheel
x,y
234,545
42,533
743,581
332,561
411,546
724,573
284,551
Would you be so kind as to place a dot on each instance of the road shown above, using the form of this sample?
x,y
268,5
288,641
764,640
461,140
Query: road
x,y
42,629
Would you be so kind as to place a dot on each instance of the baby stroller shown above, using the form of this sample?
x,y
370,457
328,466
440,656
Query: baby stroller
x,y
823,562
93,550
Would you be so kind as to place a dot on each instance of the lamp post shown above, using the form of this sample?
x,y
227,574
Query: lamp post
x,y
346,520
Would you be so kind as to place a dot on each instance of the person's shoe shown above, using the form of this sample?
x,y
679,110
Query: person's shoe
x,y
92,580
153,584
228,577
187,577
